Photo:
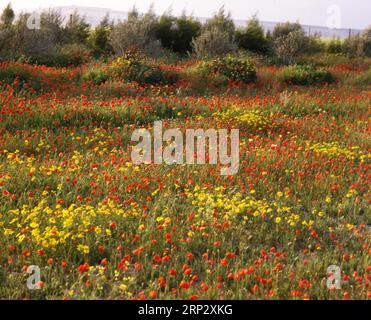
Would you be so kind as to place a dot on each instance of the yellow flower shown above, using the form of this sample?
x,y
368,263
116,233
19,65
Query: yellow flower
x,y
83,249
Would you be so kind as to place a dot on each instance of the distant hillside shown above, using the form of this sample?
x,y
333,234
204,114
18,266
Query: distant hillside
x,y
94,15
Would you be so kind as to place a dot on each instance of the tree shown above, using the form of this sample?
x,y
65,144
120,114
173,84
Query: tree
x,y
252,38
354,47
135,33
186,29
177,33
284,29
100,37
164,30
213,43
31,42
77,29
6,29
222,22
7,17
289,42
51,21
366,35
217,36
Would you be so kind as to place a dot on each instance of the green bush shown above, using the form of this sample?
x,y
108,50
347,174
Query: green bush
x,y
141,71
334,46
305,75
176,33
63,56
96,75
131,68
252,38
364,78
233,68
217,37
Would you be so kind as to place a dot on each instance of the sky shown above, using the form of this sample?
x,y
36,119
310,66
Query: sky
x,y
332,13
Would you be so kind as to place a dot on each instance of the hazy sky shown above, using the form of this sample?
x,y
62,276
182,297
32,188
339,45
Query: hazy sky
x,y
342,13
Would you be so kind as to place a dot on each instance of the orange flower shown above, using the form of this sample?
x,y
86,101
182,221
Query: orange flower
x,y
153,294
161,281
83,268
184,285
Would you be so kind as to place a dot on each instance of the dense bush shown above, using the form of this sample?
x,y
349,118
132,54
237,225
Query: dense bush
x,y
315,44
222,21
354,47
131,68
252,37
217,37
213,43
289,42
334,46
305,75
284,29
135,33
177,33
99,38
364,78
63,56
77,29
366,36
233,68
96,75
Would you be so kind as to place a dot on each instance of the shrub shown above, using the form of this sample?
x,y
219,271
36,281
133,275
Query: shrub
x,y
289,42
176,34
213,43
284,29
290,48
131,68
364,78
135,33
100,36
217,37
63,56
76,29
315,45
252,38
354,47
7,17
366,35
96,75
334,46
135,69
223,22
234,69
306,75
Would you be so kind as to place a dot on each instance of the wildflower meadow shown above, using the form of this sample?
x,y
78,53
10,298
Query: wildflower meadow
x,y
291,222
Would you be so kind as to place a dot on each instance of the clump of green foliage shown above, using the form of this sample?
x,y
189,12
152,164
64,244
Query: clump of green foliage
x,y
233,68
306,75
131,68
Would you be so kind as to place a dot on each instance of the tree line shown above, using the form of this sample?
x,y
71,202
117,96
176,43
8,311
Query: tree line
x,y
67,40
